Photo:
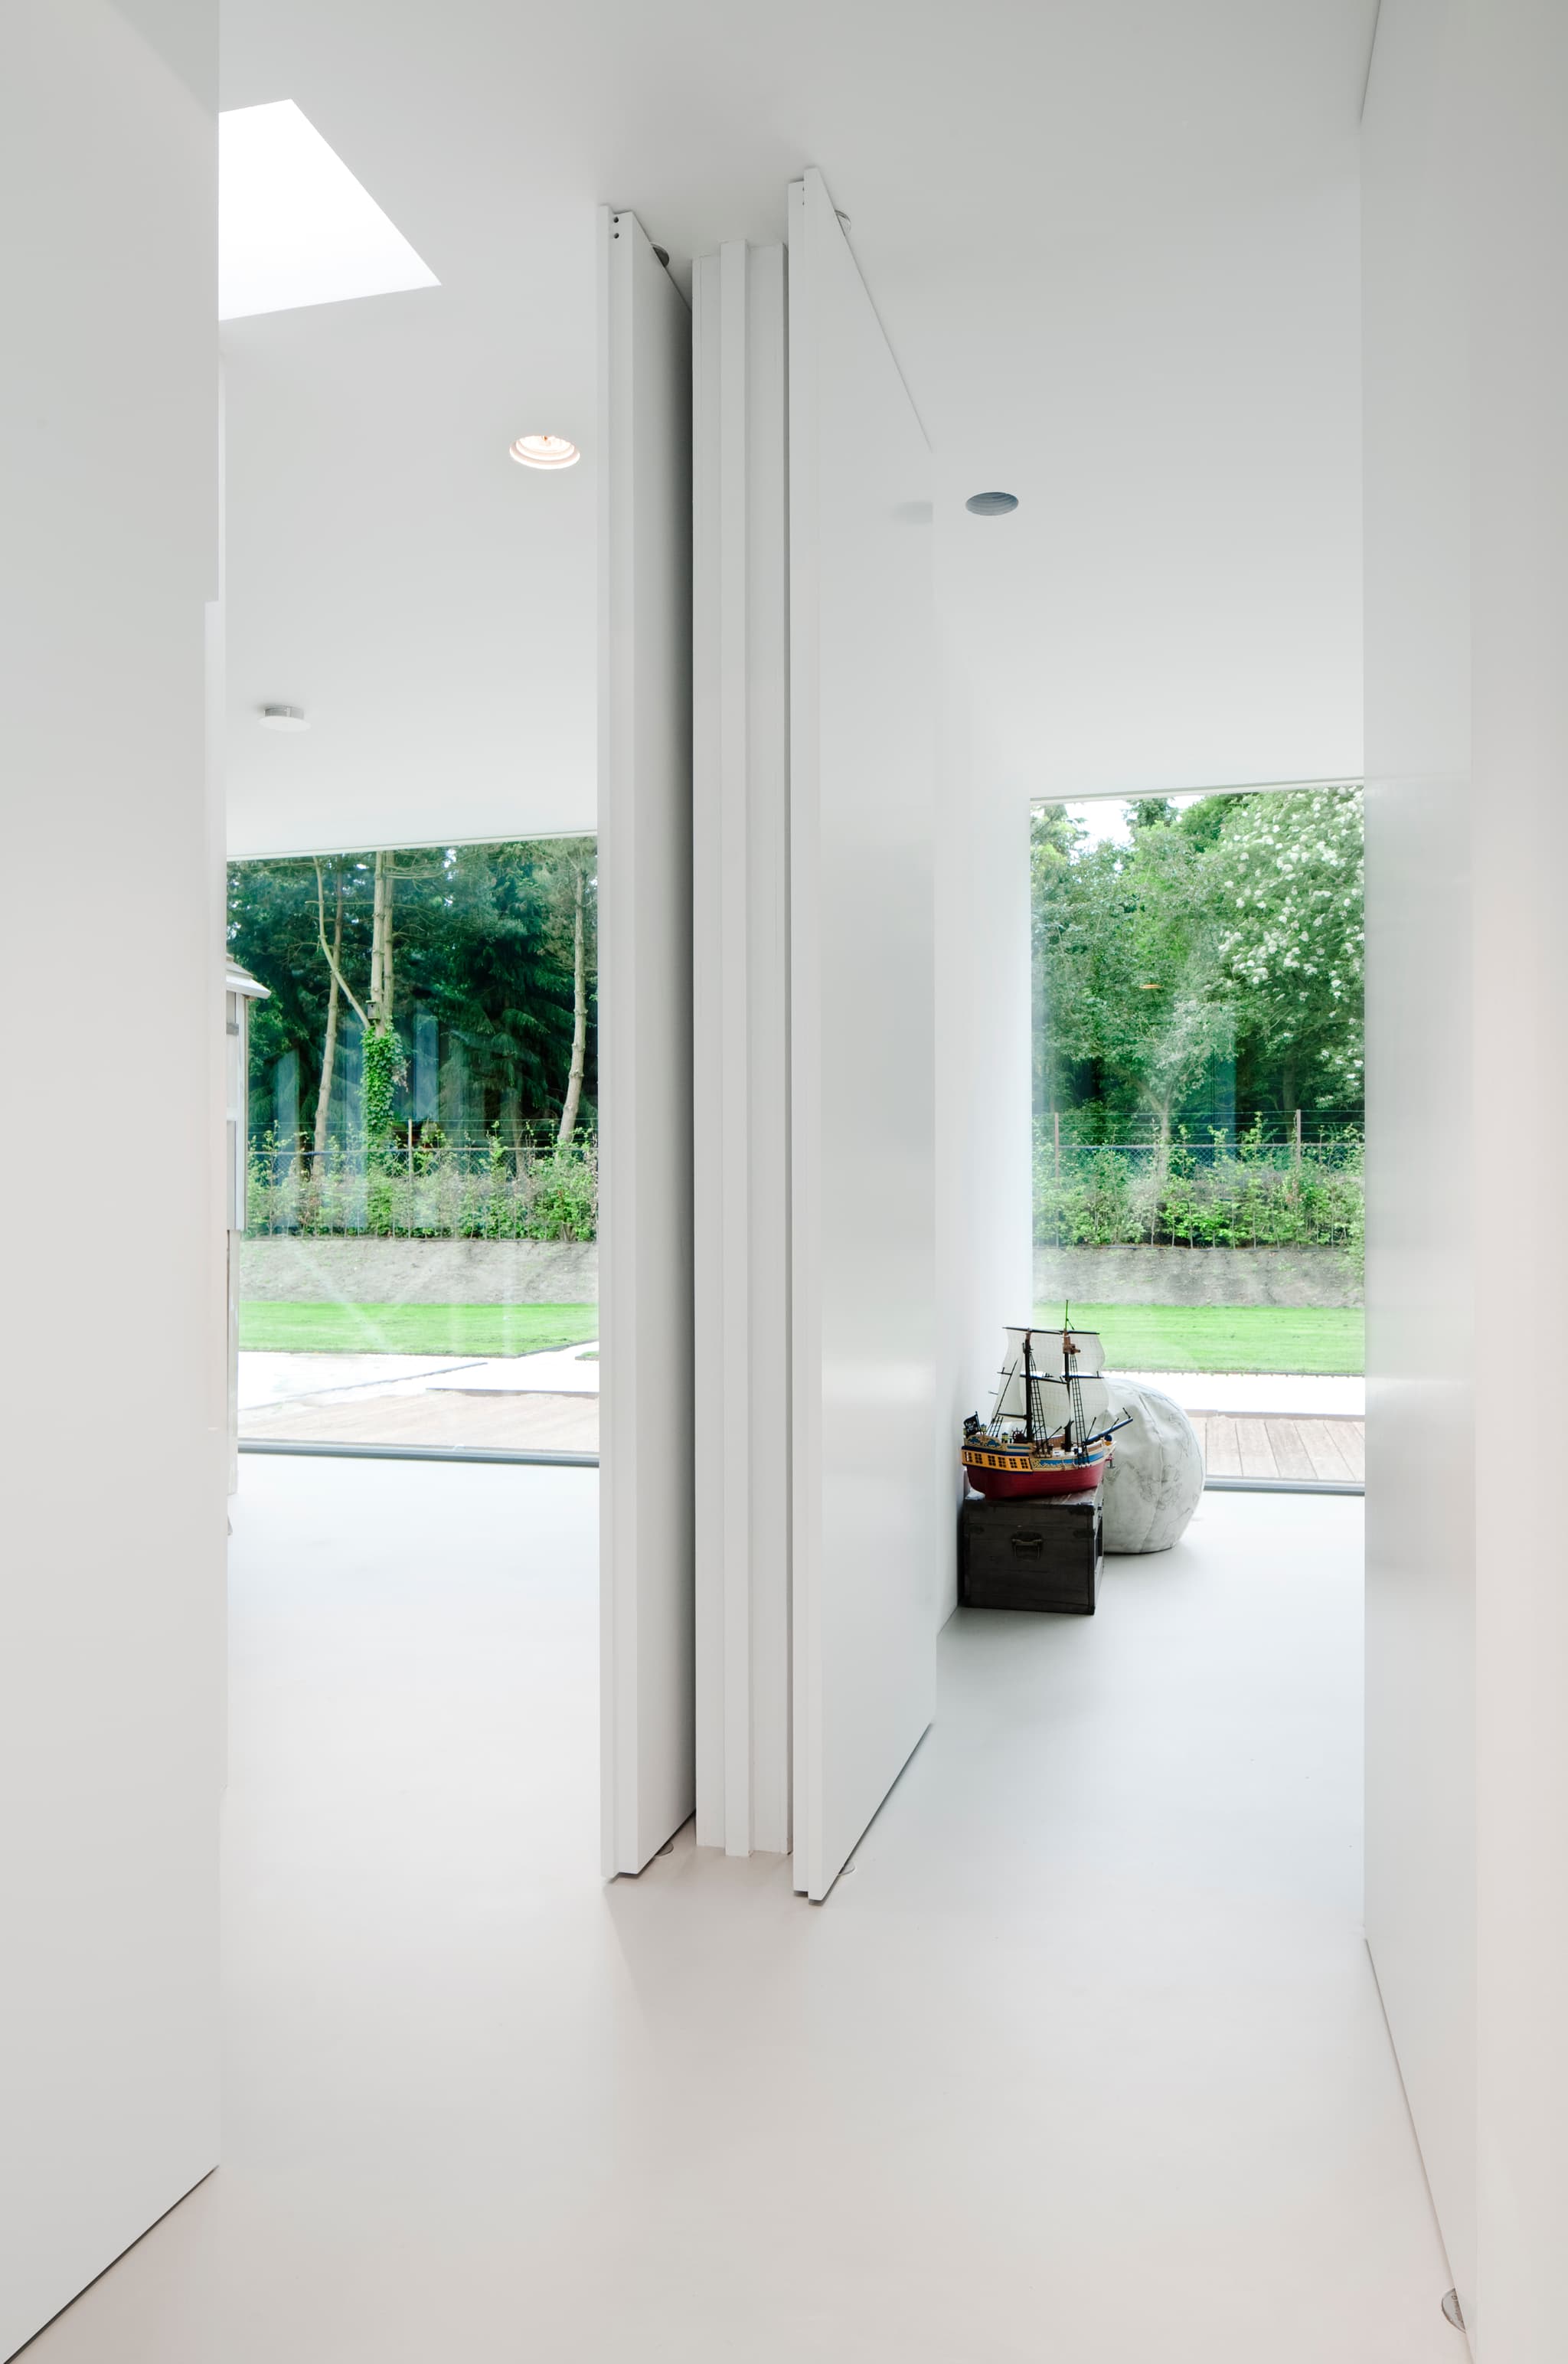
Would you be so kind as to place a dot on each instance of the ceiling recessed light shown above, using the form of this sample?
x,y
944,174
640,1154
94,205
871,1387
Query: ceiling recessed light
x,y
294,225
545,451
283,717
991,504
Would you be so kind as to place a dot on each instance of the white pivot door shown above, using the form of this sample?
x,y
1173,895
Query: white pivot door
x,y
645,1049
868,1512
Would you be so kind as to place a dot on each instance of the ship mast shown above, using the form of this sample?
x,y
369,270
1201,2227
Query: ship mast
x,y
1078,1425
1029,1388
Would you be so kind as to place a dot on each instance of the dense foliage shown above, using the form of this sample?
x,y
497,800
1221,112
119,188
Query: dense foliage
x,y
481,968
1205,979
425,1060
430,1189
1247,1194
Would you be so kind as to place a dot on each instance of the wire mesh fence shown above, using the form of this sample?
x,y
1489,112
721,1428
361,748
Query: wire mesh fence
x,y
528,1186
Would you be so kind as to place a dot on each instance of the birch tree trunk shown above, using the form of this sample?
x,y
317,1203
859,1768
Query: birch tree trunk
x,y
329,1043
579,1026
382,1051
387,989
376,998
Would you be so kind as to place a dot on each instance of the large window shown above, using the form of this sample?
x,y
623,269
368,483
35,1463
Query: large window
x,y
418,1266
1198,1095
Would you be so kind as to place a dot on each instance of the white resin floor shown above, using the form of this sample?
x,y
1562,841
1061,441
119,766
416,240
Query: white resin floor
x,y
274,1379
1084,2062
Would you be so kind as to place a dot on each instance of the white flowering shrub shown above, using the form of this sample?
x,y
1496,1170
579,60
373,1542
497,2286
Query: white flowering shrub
x,y
1287,879
1226,939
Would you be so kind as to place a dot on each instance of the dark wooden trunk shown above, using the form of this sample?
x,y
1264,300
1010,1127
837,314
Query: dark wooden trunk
x,y
1040,1554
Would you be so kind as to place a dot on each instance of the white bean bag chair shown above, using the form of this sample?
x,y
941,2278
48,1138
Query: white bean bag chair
x,y
1152,1486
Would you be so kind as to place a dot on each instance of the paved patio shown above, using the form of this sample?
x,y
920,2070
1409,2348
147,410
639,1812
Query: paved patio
x,y
510,1422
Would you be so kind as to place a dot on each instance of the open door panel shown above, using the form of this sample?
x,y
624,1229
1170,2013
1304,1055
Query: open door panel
x,y
645,1050
862,755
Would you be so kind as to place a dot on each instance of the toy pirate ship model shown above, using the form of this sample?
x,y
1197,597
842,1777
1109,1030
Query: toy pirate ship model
x,y
1049,1433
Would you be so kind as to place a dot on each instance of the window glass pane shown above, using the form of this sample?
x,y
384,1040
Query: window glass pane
x,y
418,1265
1198,1096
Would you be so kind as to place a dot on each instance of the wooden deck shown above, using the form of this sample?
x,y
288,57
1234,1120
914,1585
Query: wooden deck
x,y
1234,1445
1267,1445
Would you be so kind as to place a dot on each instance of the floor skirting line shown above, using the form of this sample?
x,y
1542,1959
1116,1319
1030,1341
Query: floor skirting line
x,y
318,1449
1282,1486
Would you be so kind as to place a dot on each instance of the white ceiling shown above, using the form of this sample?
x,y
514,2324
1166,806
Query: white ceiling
x,y
294,225
1115,245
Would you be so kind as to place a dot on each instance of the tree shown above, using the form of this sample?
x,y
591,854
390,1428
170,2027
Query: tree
x,y
1223,941
383,1066
1287,876
1133,1004
1054,839
1202,822
481,939
492,961
330,1038
579,1015
382,1051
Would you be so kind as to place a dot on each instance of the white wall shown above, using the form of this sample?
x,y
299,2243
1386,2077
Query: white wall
x,y
111,1417
427,601
1467,715
984,1276
1420,1508
1519,362
1176,408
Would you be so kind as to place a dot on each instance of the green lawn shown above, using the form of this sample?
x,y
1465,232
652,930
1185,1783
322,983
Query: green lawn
x,y
415,1329
1224,1337
1138,1337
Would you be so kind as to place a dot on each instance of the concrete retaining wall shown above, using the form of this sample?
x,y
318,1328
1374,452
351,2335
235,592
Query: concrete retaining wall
x,y
286,1271
1193,1277
566,1272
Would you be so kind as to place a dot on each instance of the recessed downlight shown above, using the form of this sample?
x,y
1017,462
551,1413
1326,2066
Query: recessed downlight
x,y
991,504
545,451
283,717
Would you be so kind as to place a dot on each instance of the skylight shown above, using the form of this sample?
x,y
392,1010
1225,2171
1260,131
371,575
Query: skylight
x,y
294,227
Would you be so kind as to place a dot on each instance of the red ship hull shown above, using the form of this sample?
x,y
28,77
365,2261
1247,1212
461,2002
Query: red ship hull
x,y
988,1471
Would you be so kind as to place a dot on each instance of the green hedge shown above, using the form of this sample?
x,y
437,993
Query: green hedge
x,y
431,1190
1245,1193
